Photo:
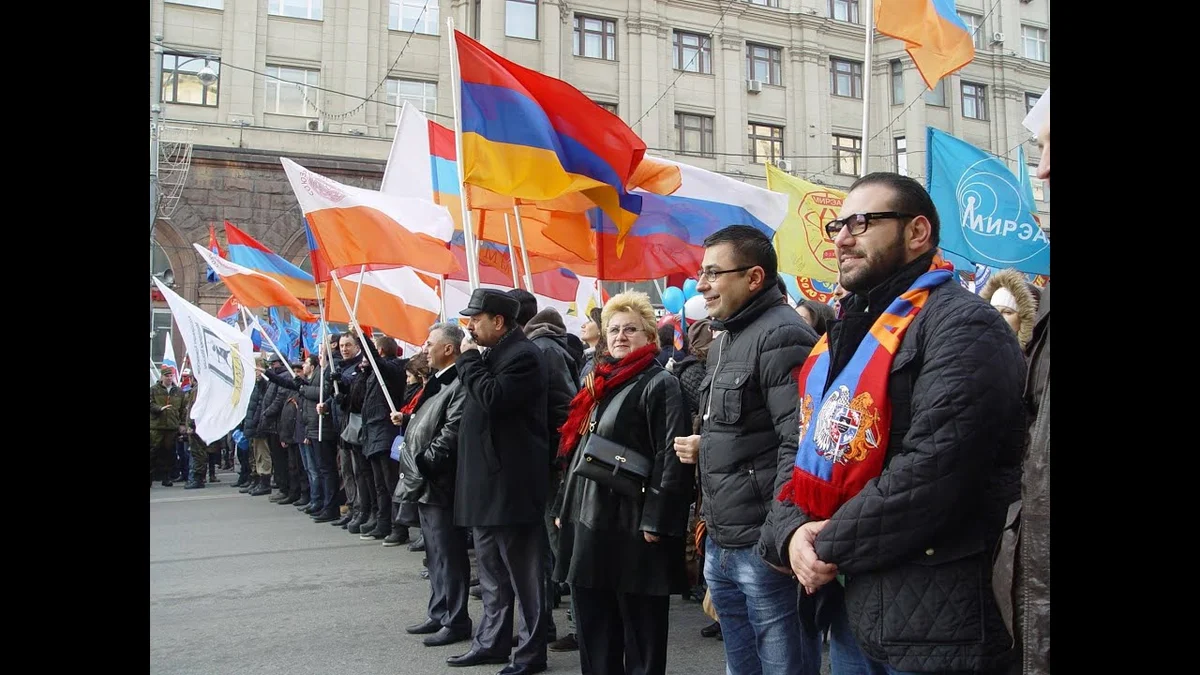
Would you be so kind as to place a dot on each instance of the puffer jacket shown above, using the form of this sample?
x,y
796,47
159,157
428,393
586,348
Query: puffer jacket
x,y
691,372
430,450
290,417
250,422
272,405
915,544
310,394
749,405
546,331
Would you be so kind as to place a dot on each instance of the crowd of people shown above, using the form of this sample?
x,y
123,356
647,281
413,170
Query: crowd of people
x,y
820,475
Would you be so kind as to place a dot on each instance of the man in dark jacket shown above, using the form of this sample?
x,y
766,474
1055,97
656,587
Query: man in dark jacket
x,y
427,466
912,535
166,418
380,432
273,402
547,330
354,473
748,419
503,455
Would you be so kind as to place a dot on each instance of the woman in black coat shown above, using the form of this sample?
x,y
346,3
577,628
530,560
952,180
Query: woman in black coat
x,y
379,431
623,553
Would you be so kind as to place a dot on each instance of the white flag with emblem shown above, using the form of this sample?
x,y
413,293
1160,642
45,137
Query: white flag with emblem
x,y
222,363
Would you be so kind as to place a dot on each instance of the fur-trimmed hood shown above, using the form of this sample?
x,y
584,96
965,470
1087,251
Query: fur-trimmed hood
x,y
1015,283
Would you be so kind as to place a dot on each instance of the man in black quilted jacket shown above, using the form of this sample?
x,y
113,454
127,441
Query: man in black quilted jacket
x,y
890,528
748,412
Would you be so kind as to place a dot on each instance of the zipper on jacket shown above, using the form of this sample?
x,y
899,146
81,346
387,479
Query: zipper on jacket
x,y
720,354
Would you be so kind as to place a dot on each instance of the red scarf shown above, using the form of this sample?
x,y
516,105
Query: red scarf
x,y
411,407
606,376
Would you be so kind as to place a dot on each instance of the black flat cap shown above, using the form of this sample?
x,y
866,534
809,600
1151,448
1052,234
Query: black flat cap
x,y
494,302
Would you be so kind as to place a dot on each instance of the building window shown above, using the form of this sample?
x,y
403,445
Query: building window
x,y
595,38
476,8
844,10
1030,101
208,4
181,80
847,78
975,25
423,95
1033,39
764,63
764,3
521,19
897,82
937,95
1038,185
901,156
294,95
297,9
695,134
610,107
693,52
974,101
420,16
766,143
848,151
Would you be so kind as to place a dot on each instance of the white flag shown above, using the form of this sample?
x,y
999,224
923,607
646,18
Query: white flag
x,y
154,373
169,357
222,363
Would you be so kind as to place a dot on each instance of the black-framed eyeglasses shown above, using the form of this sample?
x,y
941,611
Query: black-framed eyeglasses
x,y
858,222
711,275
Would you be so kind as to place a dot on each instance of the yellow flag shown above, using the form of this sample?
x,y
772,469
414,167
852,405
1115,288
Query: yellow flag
x,y
803,248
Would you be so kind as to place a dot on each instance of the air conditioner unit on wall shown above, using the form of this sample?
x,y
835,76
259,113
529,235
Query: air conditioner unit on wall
x,y
997,38
753,86
784,165
315,125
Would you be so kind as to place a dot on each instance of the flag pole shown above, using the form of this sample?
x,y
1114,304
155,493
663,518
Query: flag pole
x,y
512,252
354,322
322,350
524,252
362,271
442,295
456,94
266,337
867,62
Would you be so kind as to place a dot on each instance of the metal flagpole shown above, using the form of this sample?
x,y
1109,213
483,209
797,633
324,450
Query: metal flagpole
x,y
865,152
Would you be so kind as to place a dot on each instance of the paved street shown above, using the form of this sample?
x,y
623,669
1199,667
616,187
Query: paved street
x,y
240,585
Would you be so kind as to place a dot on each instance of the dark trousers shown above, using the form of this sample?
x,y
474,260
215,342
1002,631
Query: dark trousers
x,y
297,476
621,634
449,567
510,561
363,482
162,453
328,473
243,457
279,463
383,479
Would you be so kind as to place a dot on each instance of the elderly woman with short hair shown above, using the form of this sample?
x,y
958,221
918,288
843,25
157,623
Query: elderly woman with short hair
x,y
625,511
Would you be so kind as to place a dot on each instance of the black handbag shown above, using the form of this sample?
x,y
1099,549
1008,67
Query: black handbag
x,y
614,466
354,430
611,464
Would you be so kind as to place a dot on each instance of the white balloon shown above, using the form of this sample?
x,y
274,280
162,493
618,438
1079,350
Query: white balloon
x,y
694,308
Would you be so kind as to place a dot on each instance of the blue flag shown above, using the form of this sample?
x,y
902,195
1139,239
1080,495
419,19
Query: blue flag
x,y
985,216
286,334
311,335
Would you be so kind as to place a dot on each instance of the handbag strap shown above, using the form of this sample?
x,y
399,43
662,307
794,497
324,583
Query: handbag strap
x,y
603,422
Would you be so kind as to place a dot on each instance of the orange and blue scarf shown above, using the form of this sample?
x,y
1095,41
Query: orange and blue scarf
x,y
844,424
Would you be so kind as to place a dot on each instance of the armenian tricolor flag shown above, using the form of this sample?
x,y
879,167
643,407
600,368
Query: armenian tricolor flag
x,y
531,136
246,251
936,38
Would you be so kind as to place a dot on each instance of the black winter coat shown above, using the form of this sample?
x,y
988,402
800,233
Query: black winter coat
x,y
429,455
273,401
377,420
915,545
503,449
310,395
752,419
562,373
340,380
250,423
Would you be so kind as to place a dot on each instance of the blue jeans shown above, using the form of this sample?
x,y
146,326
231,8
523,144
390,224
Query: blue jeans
x,y
756,606
845,656
308,457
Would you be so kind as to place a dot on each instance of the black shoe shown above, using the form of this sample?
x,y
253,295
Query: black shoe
x,y
429,627
446,636
395,539
193,485
567,644
168,483
343,521
326,516
418,544
260,491
711,630
301,504
474,658
380,531
241,482
288,500
519,669
370,524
